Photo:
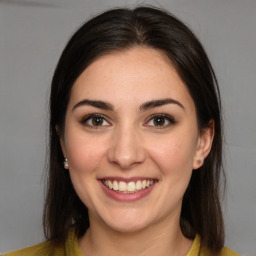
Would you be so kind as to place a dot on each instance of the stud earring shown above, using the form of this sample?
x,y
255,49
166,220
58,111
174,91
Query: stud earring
x,y
65,163
200,161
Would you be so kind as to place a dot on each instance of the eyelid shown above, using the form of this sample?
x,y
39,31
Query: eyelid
x,y
171,120
167,117
90,116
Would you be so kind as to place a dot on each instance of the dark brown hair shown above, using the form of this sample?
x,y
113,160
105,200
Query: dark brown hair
x,y
120,29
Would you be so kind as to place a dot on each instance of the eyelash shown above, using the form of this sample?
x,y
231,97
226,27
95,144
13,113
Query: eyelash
x,y
167,118
90,117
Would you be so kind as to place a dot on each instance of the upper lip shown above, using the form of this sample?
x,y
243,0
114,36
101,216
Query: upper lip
x,y
134,179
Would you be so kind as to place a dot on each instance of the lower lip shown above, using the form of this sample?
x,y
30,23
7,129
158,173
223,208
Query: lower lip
x,y
127,197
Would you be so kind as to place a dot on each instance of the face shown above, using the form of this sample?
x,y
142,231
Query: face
x,y
131,140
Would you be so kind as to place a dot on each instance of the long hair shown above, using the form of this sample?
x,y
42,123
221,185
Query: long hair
x,y
120,29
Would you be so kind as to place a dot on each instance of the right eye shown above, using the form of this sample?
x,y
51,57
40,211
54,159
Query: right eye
x,y
95,121
160,121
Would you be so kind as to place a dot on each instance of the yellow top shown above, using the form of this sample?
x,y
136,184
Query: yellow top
x,y
71,248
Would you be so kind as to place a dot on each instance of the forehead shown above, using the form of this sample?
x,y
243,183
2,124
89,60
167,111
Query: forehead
x,y
133,75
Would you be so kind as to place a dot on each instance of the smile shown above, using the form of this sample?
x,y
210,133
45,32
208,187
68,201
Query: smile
x,y
128,187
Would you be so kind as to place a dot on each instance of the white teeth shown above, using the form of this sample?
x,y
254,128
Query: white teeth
x,y
115,185
144,183
109,184
138,185
122,186
130,187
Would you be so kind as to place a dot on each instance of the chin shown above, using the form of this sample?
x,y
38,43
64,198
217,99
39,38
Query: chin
x,y
127,222
128,227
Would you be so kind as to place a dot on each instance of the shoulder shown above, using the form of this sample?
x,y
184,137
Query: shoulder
x,y
224,252
69,248
228,252
36,250
198,250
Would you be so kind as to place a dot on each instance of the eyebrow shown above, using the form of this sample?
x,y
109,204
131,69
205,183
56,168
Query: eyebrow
x,y
145,106
95,103
158,103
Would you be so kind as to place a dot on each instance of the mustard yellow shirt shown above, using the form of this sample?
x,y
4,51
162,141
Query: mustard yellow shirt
x,y
71,248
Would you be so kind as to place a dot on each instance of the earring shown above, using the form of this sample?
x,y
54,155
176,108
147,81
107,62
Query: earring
x,y
200,161
65,163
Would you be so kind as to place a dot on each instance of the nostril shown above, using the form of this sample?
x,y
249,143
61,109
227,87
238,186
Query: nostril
x,y
126,159
125,148
124,164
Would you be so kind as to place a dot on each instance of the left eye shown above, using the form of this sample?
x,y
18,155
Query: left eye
x,y
161,121
95,121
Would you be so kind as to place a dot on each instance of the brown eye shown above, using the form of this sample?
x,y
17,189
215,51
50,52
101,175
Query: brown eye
x,y
95,121
161,121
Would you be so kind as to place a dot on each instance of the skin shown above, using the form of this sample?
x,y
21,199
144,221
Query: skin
x,y
129,144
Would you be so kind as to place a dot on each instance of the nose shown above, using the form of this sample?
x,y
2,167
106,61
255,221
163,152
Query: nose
x,y
126,148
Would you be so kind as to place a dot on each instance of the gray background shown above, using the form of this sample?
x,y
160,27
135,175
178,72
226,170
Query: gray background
x,y
32,36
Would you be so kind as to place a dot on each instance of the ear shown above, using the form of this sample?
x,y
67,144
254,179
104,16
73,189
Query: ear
x,y
204,145
61,137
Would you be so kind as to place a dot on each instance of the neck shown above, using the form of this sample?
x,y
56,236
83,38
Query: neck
x,y
162,239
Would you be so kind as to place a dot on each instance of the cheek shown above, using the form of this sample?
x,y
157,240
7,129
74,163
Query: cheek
x,y
173,154
84,153
85,157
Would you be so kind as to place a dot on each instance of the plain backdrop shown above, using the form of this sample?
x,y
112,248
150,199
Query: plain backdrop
x,y
32,35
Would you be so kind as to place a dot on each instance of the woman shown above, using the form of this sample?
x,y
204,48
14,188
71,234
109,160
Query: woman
x,y
135,142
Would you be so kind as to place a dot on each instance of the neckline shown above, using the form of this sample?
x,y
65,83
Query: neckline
x,y
193,251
